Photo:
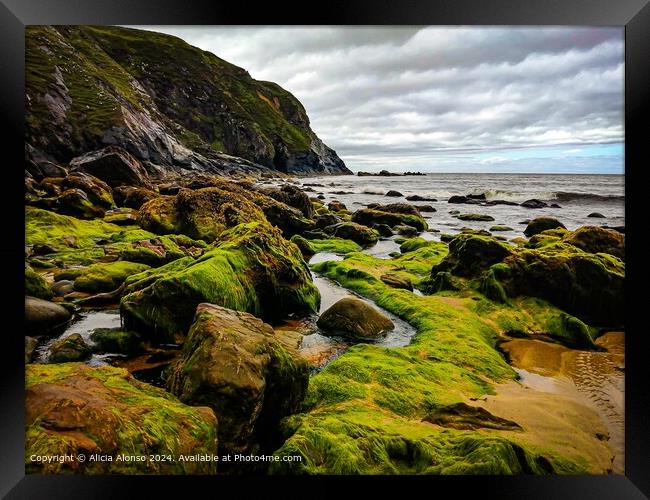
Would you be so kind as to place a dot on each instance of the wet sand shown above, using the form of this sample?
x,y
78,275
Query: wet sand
x,y
594,380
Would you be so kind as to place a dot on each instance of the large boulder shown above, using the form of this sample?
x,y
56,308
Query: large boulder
x,y
594,239
322,221
253,269
72,409
205,213
98,192
292,196
113,165
540,224
43,317
588,286
358,233
234,363
469,254
380,215
354,318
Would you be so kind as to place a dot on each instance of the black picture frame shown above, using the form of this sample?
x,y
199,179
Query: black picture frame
x,y
16,14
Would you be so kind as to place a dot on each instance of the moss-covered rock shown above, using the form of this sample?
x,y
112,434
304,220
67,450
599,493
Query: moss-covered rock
x,y
101,277
161,250
383,230
470,253
540,224
322,221
589,286
200,214
475,217
358,233
69,349
352,317
63,233
305,247
205,213
122,217
334,245
406,230
382,215
115,340
292,196
132,197
36,286
97,191
72,408
30,347
336,206
253,269
366,412
413,244
594,239
233,363
397,281
499,228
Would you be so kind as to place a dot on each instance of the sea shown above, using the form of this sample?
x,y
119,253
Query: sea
x,y
577,196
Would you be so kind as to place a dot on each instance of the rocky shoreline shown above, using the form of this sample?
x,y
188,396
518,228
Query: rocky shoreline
x,y
191,290
204,271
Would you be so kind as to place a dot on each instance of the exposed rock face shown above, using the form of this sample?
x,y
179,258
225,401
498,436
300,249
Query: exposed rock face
x,y
113,165
354,318
233,363
172,106
72,408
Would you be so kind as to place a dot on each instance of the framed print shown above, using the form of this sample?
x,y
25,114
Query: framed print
x,y
381,243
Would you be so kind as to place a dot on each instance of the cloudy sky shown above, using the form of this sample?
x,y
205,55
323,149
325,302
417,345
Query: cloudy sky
x,y
455,99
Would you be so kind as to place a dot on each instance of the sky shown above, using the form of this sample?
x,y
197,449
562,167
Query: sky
x,y
445,99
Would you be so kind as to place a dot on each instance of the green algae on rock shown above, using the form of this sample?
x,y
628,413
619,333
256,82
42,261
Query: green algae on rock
x,y
113,340
594,239
475,217
205,213
233,363
252,269
365,412
36,286
470,253
382,215
72,408
68,349
101,277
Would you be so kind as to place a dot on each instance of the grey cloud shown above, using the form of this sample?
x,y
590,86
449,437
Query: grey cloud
x,y
376,93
